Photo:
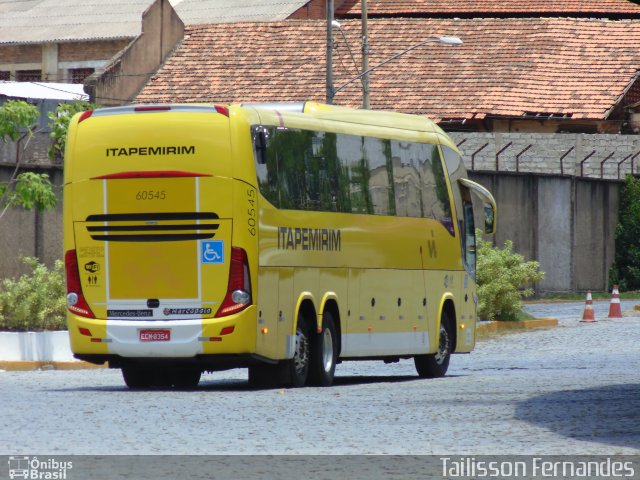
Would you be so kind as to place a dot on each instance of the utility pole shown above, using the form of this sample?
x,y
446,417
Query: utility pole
x,y
365,56
329,52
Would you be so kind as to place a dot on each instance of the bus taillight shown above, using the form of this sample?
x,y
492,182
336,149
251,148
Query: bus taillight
x,y
85,115
75,298
239,289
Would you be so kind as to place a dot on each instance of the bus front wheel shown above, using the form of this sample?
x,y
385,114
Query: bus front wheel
x,y
436,364
324,352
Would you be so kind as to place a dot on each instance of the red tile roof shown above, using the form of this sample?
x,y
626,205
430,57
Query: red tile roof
x,y
491,7
506,67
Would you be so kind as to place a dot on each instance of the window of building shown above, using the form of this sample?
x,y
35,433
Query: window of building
x,y
28,75
5,75
78,75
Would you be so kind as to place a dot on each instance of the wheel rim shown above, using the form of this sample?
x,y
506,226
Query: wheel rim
x,y
301,357
327,350
443,347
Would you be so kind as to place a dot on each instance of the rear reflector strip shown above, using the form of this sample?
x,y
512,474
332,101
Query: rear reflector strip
x,y
150,174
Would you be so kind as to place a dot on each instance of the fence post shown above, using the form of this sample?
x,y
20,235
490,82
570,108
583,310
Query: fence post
x,y
518,157
602,164
582,162
563,157
498,155
622,161
473,156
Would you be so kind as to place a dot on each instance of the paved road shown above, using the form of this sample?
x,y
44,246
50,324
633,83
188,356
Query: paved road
x,y
574,389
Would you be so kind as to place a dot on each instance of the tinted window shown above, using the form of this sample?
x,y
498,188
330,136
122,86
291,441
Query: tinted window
x,y
306,170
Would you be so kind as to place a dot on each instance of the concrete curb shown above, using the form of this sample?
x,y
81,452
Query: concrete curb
x,y
22,366
496,326
48,350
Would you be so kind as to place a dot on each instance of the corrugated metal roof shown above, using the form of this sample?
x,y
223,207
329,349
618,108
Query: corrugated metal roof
x,y
193,12
43,91
41,21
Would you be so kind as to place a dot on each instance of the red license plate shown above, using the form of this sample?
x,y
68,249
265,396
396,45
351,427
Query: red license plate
x,y
155,335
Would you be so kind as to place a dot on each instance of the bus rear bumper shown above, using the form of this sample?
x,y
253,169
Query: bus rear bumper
x,y
155,339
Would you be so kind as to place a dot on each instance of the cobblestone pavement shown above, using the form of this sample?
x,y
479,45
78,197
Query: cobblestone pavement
x,y
573,389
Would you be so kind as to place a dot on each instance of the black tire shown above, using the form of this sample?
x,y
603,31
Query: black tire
x,y
296,370
185,378
324,353
263,376
436,364
137,376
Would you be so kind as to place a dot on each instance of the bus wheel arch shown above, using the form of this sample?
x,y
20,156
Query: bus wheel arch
x,y
330,305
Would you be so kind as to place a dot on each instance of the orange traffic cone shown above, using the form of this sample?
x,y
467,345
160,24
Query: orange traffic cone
x,y
588,316
614,306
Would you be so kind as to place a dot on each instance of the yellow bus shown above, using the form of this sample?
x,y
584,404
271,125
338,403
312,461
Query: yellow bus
x,y
282,238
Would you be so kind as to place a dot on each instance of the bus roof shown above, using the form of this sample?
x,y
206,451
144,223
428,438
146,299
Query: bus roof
x,y
336,113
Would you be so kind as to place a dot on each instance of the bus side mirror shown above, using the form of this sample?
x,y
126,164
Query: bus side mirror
x,y
488,202
260,144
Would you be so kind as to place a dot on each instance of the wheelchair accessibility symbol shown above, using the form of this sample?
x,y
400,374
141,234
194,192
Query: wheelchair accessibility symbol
x,y
213,252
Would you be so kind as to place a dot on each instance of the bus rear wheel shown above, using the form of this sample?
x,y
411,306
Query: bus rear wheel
x,y
324,352
137,376
436,364
185,378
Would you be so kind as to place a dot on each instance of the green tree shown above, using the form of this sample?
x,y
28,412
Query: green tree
x,y
17,119
27,189
503,278
59,120
626,267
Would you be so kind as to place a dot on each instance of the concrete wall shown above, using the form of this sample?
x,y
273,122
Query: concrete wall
x,y
30,233
566,223
131,69
546,151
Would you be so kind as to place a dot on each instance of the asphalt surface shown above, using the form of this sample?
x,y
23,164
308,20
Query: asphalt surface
x,y
572,389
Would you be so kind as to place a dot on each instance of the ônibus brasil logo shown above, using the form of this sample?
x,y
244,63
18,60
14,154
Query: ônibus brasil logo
x,y
41,469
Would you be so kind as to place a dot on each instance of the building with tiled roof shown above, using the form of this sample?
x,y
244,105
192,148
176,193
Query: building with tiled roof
x,y
573,73
491,8
67,40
